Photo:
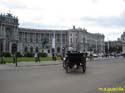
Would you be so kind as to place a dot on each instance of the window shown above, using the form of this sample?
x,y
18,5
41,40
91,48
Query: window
x,y
48,51
31,40
37,49
58,49
36,40
31,49
63,40
70,40
25,49
25,39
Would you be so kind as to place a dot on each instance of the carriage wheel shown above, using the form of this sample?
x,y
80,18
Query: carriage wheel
x,y
67,69
66,66
84,67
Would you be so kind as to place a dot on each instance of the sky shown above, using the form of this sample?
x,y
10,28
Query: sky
x,y
97,16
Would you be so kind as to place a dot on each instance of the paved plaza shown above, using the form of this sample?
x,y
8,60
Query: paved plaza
x,y
50,77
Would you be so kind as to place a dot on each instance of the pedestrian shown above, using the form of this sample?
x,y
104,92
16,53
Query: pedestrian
x,y
2,59
55,57
91,57
36,57
15,59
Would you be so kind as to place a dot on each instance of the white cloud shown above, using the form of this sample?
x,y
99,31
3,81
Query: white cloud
x,y
62,14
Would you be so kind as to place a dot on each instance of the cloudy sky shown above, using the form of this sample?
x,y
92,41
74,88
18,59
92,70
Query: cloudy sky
x,y
97,16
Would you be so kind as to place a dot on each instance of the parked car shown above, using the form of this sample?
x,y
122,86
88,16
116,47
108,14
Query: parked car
x,y
94,55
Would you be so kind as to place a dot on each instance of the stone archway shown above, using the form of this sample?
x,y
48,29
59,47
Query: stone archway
x,y
37,49
14,48
58,49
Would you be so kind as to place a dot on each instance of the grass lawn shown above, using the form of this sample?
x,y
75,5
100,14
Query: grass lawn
x,y
28,59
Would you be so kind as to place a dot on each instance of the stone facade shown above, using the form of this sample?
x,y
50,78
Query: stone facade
x,y
8,32
38,40
34,40
82,40
123,42
113,46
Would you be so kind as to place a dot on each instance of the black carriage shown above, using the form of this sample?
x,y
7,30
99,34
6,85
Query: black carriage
x,y
75,59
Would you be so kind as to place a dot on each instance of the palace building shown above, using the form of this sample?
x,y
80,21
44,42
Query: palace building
x,y
13,38
123,43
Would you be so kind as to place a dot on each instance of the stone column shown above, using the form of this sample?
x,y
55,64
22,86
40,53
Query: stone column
x,y
28,37
17,38
1,35
22,42
1,30
4,41
14,34
24,37
10,47
61,42
35,38
16,31
38,38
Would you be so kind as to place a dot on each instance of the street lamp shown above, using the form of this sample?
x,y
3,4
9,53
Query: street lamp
x,y
53,47
96,47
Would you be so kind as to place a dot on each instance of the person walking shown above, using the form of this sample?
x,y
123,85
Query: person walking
x,y
15,59
2,59
36,57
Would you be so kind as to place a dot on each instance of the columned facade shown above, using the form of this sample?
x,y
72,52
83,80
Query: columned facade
x,y
40,40
83,41
8,32
123,42
33,40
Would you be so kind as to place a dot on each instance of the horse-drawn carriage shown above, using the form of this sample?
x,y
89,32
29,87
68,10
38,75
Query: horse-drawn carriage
x,y
75,59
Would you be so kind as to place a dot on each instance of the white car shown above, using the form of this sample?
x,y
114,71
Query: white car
x,y
95,55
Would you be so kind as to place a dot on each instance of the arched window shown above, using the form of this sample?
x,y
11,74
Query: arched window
x,y
31,49
14,48
37,49
25,49
48,51
58,49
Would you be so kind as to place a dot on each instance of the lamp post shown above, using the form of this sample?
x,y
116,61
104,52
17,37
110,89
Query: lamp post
x,y
53,47
96,47
108,47
15,53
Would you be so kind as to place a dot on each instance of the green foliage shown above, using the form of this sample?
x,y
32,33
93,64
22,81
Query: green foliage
x,y
6,54
28,54
18,54
28,59
43,54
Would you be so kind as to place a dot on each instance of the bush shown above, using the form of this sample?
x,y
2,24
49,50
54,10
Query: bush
x,y
28,54
19,54
43,54
6,54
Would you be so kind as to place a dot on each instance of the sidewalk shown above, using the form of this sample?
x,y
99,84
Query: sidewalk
x,y
43,63
28,64
102,58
